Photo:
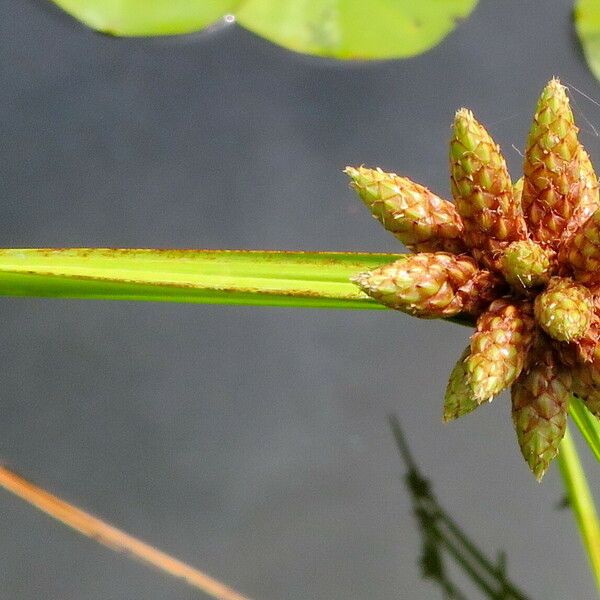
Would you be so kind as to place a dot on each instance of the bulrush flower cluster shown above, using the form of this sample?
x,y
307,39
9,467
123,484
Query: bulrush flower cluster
x,y
520,260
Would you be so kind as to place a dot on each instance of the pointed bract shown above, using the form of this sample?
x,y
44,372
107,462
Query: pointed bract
x,y
417,217
430,285
498,348
482,190
551,167
540,399
459,399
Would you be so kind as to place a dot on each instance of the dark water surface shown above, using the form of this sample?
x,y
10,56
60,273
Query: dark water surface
x,y
252,442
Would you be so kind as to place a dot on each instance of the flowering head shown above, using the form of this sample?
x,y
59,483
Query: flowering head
x,y
521,260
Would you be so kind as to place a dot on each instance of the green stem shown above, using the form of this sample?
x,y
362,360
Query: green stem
x,y
587,423
267,278
581,502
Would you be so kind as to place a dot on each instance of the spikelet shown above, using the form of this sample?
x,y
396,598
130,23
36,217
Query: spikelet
x,y
582,252
525,264
459,399
417,217
585,349
540,400
586,385
499,348
589,198
482,190
430,285
551,187
564,309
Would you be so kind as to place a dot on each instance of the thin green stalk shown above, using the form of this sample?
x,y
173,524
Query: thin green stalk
x,y
581,502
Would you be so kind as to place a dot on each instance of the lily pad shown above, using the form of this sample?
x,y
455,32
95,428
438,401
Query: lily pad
x,y
587,24
345,29
147,17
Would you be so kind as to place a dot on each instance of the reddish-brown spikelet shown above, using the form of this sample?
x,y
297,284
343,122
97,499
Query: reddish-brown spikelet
x,y
582,251
499,348
482,191
540,399
431,285
416,216
585,349
551,167
580,246
564,309
459,399
586,385
589,200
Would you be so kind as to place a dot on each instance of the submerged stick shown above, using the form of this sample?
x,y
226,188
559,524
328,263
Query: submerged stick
x,y
114,538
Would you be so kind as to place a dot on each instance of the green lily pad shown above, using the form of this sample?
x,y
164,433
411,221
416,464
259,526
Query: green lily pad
x,y
343,29
147,17
587,24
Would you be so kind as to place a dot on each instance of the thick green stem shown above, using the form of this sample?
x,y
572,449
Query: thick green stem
x,y
581,502
267,278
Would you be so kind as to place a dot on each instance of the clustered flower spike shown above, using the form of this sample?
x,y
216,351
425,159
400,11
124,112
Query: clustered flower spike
x,y
521,260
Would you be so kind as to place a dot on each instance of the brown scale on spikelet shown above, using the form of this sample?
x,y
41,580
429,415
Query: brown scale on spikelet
x,y
523,259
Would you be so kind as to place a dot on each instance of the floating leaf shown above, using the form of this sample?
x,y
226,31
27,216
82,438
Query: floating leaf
x,y
336,28
147,17
354,28
587,24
